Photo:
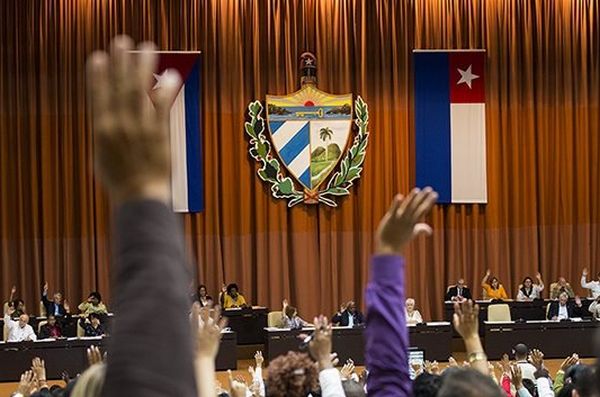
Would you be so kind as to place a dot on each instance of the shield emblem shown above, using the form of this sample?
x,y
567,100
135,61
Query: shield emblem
x,y
310,130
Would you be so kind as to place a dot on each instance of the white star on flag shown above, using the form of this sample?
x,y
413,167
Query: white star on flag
x,y
466,76
159,78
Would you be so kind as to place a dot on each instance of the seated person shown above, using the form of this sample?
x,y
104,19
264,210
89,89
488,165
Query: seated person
x,y
18,305
561,286
458,292
290,318
93,304
563,309
592,285
93,327
203,298
492,287
232,298
54,306
51,329
348,316
529,290
595,308
19,330
521,352
412,315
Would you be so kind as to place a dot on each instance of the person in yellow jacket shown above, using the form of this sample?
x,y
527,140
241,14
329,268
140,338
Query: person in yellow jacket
x,y
492,287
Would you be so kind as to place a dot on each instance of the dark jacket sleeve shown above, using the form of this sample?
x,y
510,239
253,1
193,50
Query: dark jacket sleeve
x,y
150,352
553,310
450,293
467,293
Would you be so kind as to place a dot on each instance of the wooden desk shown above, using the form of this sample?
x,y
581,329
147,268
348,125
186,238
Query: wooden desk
x,y
528,311
434,338
70,355
249,324
555,339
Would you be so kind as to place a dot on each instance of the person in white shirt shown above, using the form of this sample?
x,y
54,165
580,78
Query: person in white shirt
x,y
530,290
521,351
412,315
18,330
593,285
290,318
595,308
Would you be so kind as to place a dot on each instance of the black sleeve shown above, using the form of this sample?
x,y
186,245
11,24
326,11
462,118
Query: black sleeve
x,y
552,311
43,332
150,352
467,294
449,295
336,319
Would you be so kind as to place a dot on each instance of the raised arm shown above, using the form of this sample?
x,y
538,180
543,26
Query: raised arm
x,y
540,283
484,280
13,291
150,355
584,283
386,333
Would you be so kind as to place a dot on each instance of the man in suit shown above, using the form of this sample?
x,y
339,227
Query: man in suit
x,y
56,307
458,292
348,316
563,309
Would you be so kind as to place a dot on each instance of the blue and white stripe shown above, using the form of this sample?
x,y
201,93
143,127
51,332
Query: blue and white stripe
x,y
292,140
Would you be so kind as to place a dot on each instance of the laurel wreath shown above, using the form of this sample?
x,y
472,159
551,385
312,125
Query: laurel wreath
x,y
283,186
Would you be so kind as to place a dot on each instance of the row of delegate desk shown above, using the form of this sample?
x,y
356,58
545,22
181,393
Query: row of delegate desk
x,y
248,327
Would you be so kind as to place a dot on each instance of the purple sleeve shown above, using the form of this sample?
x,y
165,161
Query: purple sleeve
x,y
386,333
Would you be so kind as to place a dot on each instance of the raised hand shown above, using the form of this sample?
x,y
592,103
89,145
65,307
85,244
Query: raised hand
x,y
94,355
259,359
347,370
13,290
285,304
67,306
536,358
402,221
46,288
27,383
488,273
320,345
452,362
417,367
577,300
466,319
516,377
504,364
208,336
538,276
132,152
584,272
237,386
39,370
569,362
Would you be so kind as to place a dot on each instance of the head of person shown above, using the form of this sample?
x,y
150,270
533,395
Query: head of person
x,y
57,298
521,351
351,307
460,283
90,382
202,291
23,320
353,388
467,382
95,298
291,311
292,375
563,298
94,319
19,305
51,320
562,282
410,305
527,282
427,385
233,290
494,282
583,378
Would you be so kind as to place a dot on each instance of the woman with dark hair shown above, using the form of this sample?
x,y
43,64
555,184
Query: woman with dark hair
x,y
529,290
202,297
492,287
290,318
233,299
93,304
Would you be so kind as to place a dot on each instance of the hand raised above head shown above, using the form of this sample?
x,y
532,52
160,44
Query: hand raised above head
x,y
402,221
132,155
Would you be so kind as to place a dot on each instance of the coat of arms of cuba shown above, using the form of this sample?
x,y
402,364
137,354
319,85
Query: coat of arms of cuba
x,y
320,138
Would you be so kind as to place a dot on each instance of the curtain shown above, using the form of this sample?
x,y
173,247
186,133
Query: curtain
x,y
543,122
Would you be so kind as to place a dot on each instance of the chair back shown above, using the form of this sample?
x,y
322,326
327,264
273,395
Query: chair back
x,y
5,333
40,325
42,309
80,330
274,319
499,312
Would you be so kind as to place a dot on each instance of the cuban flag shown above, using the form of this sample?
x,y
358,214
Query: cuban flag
x,y
450,124
187,178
